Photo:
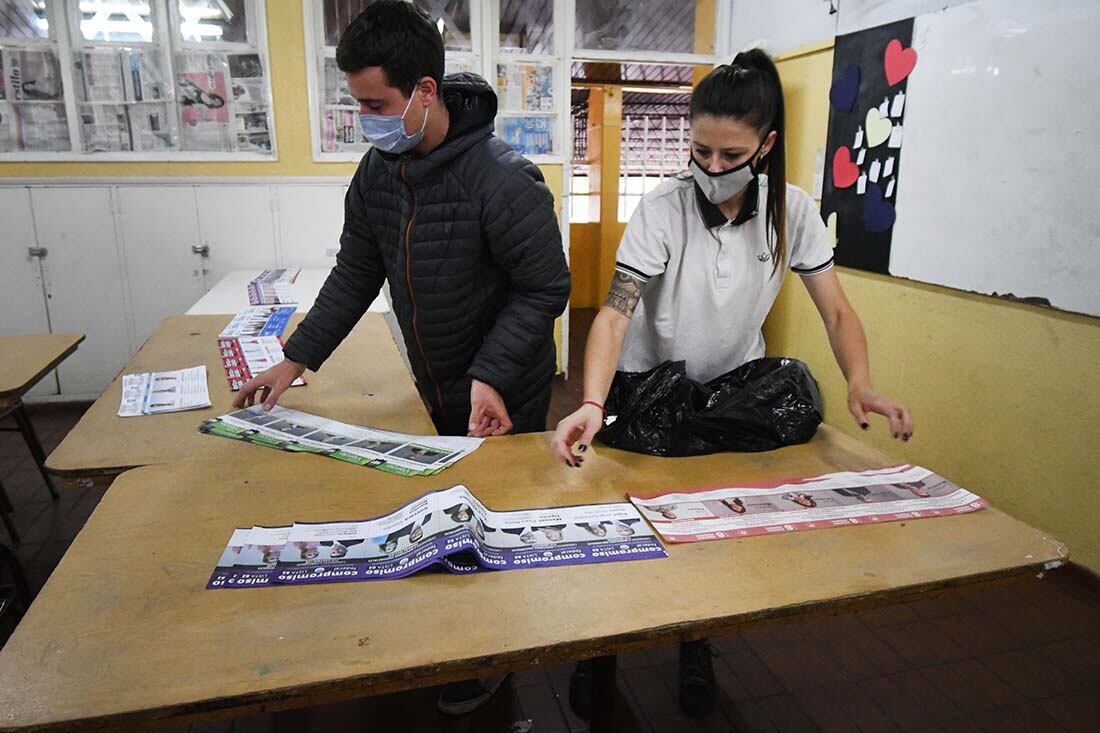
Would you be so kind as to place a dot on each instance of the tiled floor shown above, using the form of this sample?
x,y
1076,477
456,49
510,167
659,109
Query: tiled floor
x,y
1020,655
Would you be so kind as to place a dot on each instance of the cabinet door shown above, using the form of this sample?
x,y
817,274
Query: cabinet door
x,y
84,282
158,226
24,310
237,222
310,221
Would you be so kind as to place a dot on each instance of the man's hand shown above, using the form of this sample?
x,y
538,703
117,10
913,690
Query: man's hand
x,y
488,415
271,385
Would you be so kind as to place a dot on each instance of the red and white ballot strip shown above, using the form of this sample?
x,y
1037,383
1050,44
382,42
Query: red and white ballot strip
x,y
245,357
790,505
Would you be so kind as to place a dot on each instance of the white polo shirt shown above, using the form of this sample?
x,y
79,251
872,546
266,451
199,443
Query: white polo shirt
x,y
708,280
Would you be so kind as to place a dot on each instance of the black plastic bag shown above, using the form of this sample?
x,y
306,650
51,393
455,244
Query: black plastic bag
x,y
762,405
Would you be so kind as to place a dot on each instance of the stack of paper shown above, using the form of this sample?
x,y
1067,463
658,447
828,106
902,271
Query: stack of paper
x,y
405,455
272,287
150,393
448,529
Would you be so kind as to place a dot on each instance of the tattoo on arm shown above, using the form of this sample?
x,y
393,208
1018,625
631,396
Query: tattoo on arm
x,y
624,294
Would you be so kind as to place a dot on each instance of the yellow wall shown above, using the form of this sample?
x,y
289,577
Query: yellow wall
x,y
1003,395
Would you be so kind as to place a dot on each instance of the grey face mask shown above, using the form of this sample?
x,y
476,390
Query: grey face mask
x,y
719,187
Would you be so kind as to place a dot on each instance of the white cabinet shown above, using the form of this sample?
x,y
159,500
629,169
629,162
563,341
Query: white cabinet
x,y
158,227
118,257
237,223
24,300
83,278
311,219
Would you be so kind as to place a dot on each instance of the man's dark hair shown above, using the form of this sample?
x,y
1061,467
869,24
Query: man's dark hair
x,y
399,37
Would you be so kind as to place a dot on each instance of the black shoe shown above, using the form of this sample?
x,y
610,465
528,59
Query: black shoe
x,y
697,691
461,698
580,689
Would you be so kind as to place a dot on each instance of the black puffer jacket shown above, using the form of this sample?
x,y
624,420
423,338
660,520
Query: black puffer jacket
x,y
469,242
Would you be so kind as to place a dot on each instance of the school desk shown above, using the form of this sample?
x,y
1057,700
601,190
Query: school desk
x,y
24,361
125,633
364,382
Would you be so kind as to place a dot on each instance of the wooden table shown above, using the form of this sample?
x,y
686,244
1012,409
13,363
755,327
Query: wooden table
x,y
364,381
124,632
24,360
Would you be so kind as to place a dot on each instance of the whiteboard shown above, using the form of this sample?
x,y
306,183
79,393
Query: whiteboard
x,y
999,191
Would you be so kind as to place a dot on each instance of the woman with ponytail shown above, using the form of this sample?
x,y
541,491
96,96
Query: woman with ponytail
x,y
697,271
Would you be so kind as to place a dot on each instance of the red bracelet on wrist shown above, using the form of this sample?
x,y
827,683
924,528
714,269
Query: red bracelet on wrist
x,y
596,404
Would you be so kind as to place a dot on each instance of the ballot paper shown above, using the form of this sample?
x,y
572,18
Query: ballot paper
x,y
291,430
831,500
449,529
272,287
245,357
260,320
151,393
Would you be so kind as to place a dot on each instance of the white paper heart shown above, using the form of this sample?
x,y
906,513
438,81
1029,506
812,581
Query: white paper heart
x,y
878,128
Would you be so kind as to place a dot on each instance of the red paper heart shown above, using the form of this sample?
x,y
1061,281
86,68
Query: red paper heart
x,y
845,172
899,62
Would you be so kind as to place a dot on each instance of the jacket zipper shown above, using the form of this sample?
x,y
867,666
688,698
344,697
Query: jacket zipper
x,y
412,295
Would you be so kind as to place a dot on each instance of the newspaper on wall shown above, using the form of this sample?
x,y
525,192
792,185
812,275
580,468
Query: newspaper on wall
x,y
251,108
202,83
100,76
146,79
32,75
832,500
291,430
151,393
526,87
151,126
41,128
336,86
448,529
340,131
530,135
9,129
105,128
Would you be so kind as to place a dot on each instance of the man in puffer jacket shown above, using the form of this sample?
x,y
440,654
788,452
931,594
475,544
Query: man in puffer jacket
x,y
461,226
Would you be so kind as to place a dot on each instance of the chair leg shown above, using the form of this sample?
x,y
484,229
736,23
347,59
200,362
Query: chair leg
x,y
25,427
5,515
22,587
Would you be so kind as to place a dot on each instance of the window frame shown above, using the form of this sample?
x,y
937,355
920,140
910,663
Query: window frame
x,y
62,14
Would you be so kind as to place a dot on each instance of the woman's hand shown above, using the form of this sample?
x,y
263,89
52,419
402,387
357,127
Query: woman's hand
x,y
863,400
578,428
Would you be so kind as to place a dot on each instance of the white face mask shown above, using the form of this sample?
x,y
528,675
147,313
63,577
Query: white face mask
x,y
723,186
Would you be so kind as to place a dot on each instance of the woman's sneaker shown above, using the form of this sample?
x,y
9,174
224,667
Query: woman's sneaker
x,y
697,690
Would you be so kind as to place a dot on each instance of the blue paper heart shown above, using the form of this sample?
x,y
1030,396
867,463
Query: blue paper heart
x,y
878,215
845,89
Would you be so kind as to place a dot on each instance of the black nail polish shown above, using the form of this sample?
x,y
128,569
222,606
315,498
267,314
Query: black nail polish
x,y
864,425
582,448
895,436
905,437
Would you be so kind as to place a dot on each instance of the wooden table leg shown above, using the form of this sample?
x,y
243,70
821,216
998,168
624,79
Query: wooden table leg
x,y
23,420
